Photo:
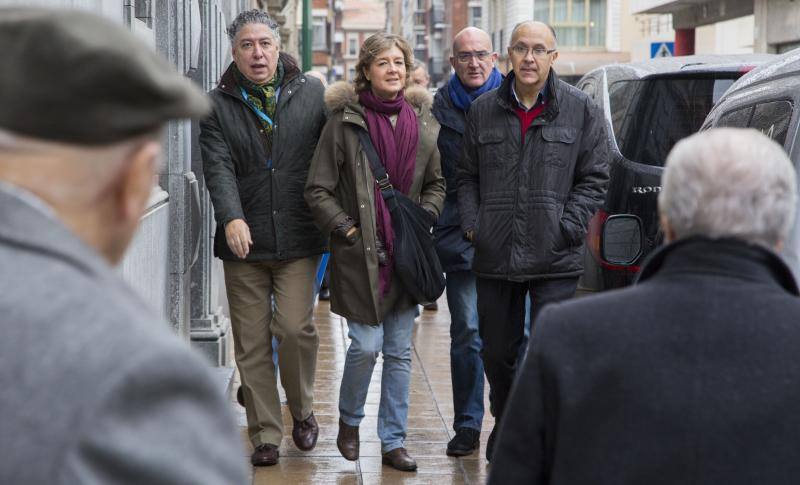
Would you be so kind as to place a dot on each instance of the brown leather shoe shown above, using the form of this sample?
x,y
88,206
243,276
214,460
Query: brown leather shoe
x,y
265,455
305,433
347,441
399,460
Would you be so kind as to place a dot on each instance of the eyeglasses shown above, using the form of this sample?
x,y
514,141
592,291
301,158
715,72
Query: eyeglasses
x,y
538,51
465,57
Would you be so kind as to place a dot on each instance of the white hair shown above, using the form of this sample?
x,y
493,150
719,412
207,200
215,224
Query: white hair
x,y
729,182
82,171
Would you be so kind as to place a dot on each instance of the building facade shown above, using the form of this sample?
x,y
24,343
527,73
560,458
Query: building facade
x,y
728,26
589,32
356,20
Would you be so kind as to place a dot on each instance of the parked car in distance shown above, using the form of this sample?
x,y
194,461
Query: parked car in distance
x,y
768,99
648,106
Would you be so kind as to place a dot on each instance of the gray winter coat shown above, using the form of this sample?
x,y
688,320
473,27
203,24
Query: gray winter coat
x,y
96,388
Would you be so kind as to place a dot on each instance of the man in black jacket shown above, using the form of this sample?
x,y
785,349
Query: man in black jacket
x,y
533,171
475,74
257,146
690,375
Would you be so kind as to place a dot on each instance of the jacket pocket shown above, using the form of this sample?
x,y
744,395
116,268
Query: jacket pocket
x,y
559,142
492,148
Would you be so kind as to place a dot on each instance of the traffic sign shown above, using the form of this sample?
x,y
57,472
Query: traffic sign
x,y
662,49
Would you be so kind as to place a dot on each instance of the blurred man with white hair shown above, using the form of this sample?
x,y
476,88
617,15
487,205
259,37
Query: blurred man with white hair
x,y
96,387
689,376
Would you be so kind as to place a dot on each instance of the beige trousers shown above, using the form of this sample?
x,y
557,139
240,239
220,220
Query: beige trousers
x,y
266,299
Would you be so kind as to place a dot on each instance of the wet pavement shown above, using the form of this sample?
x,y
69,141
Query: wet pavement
x,y
430,417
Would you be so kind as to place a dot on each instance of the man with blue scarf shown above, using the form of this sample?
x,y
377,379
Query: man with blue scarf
x,y
473,61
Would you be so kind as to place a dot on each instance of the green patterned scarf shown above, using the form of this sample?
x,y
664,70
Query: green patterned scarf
x,y
262,96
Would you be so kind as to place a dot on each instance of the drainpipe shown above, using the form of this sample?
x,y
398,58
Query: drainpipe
x,y
307,35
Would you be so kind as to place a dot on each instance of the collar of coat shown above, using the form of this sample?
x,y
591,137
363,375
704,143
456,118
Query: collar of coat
x,y
726,256
31,229
506,99
291,71
446,113
341,97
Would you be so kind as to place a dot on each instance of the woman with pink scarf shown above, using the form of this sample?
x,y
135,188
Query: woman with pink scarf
x,y
346,203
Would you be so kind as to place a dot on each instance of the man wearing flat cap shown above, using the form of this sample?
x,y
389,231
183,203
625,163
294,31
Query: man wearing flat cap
x,y
257,147
96,389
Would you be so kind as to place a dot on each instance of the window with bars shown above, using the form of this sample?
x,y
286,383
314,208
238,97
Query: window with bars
x,y
578,23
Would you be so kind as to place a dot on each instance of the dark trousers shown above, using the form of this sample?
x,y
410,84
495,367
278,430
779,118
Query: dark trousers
x,y
501,320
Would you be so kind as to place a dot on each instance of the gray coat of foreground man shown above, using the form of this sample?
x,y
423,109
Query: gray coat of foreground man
x,y
96,389
691,375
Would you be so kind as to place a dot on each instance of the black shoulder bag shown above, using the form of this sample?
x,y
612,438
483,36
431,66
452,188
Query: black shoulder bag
x,y
415,260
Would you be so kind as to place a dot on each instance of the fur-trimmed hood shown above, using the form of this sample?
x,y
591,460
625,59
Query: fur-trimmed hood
x,y
341,94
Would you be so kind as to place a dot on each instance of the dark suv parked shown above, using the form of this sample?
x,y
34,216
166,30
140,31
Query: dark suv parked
x,y
648,106
768,99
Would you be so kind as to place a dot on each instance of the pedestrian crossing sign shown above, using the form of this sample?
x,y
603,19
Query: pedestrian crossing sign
x,y
662,49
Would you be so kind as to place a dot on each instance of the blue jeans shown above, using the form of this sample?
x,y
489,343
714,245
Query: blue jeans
x,y
466,366
393,338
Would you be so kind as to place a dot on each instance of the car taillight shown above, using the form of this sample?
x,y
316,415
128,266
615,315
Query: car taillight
x,y
594,240
595,234
746,69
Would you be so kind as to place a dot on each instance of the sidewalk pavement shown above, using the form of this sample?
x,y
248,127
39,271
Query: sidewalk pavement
x,y
430,417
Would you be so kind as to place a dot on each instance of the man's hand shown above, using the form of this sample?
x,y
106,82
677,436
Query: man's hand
x,y
237,234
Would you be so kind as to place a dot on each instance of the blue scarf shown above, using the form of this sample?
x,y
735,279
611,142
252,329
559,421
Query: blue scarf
x,y
463,98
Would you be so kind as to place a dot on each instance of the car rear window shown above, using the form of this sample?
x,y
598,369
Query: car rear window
x,y
770,117
650,115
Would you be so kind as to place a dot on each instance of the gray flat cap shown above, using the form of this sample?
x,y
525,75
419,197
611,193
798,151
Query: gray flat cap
x,y
73,77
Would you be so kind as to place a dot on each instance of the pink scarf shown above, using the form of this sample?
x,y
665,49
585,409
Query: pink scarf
x,y
397,149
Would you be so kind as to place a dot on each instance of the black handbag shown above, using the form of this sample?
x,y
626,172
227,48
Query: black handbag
x,y
415,260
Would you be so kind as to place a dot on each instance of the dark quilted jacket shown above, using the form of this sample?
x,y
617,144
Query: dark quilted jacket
x,y
235,154
455,252
529,205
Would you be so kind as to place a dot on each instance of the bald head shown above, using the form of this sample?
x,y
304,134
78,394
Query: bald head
x,y
473,58
536,28
472,35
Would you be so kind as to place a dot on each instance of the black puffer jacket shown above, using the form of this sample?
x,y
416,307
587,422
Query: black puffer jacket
x,y
529,206
455,251
235,154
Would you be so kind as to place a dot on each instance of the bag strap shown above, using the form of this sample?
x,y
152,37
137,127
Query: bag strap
x,y
378,171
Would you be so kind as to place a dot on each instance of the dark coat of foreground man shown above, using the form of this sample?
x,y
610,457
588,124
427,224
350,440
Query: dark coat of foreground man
x,y
656,384
691,376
